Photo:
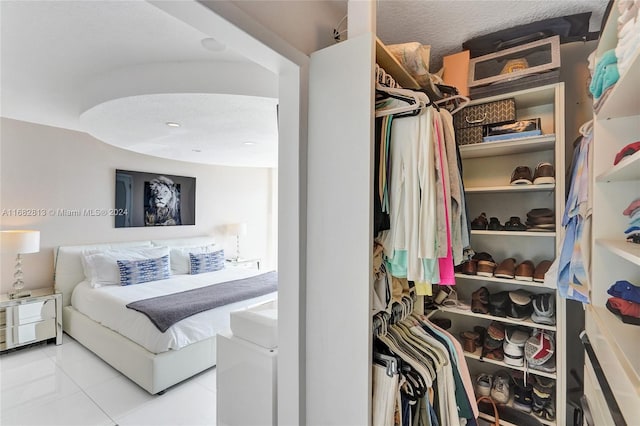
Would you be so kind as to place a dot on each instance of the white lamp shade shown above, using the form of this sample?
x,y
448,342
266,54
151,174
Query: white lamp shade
x,y
237,228
20,241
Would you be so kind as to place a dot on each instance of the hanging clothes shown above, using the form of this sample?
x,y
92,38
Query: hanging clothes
x,y
412,217
382,133
434,383
574,262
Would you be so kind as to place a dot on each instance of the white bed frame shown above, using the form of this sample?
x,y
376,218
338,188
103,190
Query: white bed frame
x,y
153,372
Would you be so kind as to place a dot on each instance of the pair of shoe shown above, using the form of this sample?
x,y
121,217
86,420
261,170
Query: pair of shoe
x,y
514,224
541,219
544,173
542,396
513,304
498,386
480,264
544,309
493,224
523,271
522,395
513,346
510,269
539,351
493,340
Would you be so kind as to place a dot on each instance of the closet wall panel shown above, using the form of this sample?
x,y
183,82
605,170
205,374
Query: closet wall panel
x,y
339,233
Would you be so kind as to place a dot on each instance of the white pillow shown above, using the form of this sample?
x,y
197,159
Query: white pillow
x,y
180,262
101,267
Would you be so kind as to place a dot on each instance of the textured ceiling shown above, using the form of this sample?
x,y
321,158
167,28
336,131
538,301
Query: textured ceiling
x,y
445,25
61,59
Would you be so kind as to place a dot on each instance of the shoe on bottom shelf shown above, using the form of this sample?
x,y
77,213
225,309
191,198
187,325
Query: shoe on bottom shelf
x,y
501,389
543,405
484,383
542,398
522,396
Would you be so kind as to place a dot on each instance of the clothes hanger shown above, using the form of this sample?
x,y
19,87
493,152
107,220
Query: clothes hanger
x,y
415,101
388,86
459,107
586,128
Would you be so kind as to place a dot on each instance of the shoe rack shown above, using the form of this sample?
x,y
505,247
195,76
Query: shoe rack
x,y
487,169
616,345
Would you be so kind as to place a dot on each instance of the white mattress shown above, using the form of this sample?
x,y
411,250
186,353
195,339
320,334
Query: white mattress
x,y
107,305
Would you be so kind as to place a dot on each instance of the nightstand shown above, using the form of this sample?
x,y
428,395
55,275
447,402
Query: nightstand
x,y
30,319
244,263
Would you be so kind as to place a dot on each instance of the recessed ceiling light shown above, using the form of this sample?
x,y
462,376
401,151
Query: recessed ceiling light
x,y
172,124
248,143
212,45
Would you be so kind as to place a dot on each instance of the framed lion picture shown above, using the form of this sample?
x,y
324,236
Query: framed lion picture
x,y
154,199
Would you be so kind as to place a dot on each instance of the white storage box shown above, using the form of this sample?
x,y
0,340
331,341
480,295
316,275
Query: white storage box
x,y
257,324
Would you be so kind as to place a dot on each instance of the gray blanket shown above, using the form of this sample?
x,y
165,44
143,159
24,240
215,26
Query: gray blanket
x,y
164,311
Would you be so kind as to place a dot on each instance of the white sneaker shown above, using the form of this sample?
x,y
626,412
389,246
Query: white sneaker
x,y
484,382
501,389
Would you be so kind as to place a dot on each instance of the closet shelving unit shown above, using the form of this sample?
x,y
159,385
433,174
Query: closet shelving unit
x,y
487,169
616,344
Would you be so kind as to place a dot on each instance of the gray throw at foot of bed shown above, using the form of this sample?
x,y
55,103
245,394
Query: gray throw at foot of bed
x,y
164,311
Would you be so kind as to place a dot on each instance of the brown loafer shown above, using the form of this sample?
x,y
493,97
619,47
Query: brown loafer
x,y
470,267
544,174
506,269
521,176
541,269
485,268
524,271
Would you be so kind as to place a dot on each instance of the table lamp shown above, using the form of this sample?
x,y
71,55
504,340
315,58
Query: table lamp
x,y
237,229
19,242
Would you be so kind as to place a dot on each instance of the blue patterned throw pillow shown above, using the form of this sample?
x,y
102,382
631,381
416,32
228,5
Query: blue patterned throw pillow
x,y
142,271
206,262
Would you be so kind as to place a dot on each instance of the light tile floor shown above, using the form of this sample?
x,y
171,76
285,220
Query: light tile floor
x,y
68,385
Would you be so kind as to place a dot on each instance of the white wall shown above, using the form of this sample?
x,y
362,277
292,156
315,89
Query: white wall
x,y
45,167
307,25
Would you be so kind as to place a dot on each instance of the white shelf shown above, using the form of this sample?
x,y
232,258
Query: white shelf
x,y
622,248
627,169
513,146
527,322
391,66
617,345
491,163
477,354
510,188
515,233
503,280
621,101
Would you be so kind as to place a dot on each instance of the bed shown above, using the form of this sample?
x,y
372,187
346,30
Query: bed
x,y
127,339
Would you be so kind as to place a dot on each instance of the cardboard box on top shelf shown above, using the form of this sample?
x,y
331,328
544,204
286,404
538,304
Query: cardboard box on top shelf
x,y
456,71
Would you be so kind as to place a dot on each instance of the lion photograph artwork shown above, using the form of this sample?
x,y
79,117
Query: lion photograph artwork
x,y
153,199
162,202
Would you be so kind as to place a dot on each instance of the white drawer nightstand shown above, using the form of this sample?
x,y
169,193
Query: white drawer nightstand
x,y
30,319
244,263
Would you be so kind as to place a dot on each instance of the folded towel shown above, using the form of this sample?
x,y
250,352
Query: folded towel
x,y
606,73
628,15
